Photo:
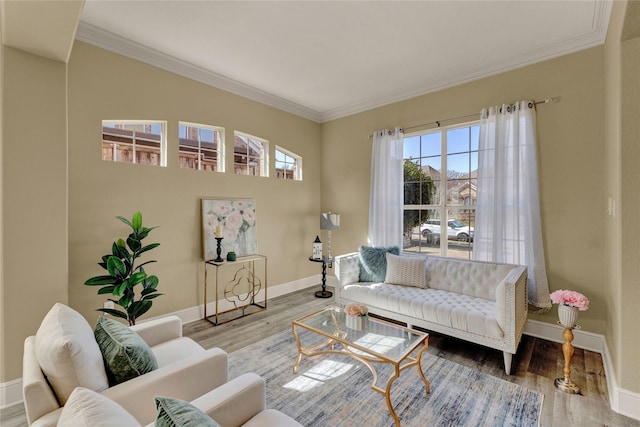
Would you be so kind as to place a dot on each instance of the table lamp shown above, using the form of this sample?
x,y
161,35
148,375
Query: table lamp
x,y
329,221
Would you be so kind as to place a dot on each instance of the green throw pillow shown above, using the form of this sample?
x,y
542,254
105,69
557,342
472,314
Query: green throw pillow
x,y
373,262
178,413
125,353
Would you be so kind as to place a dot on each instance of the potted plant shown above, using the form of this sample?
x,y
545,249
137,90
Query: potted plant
x,y
123,274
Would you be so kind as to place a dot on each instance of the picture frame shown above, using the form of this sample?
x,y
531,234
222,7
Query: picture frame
x,y
235,221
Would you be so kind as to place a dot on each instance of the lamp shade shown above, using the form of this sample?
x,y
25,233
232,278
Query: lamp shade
x,y
329,221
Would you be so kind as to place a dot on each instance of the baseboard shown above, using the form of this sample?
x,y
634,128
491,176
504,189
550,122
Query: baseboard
x,y
622,401
10,393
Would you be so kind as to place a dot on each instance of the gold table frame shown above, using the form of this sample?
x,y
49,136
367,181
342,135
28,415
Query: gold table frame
x,y
339,335
243,301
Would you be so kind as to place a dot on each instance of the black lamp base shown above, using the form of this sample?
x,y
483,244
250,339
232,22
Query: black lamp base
x,y
324,294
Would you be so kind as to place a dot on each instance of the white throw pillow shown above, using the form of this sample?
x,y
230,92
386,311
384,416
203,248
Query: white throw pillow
x,y
406,270
86,408
68,353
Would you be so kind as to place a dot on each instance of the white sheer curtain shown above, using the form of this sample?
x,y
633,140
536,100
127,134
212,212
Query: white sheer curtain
x,y
386,200
508,209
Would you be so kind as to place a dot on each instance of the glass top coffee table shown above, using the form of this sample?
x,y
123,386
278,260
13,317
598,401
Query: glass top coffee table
x,y
376,341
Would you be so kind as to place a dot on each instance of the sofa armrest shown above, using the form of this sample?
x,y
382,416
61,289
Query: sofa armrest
x,y
235,402
160,330
184,379
38,396
511,303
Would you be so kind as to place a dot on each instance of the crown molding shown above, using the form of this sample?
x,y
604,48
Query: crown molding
x,y
104,39
112,42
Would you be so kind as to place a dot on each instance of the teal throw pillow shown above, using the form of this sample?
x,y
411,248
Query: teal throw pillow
x,y
373,262
126,355
178,413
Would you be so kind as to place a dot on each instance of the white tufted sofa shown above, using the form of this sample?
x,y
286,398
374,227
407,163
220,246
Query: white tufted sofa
x,y
480,302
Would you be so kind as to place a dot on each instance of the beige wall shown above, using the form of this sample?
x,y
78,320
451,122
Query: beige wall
x,y
570,135
103,85
34,198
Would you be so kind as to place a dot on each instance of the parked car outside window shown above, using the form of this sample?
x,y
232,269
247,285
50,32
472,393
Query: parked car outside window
x,y
455,230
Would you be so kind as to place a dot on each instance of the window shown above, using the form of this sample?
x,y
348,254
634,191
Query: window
x,y
439,207
133,141
201,147
288,165
250,155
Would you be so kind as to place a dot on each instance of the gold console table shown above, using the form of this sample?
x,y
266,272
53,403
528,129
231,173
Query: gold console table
x,y
240,292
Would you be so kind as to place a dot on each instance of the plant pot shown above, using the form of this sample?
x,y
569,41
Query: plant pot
x,y
356,322
568,315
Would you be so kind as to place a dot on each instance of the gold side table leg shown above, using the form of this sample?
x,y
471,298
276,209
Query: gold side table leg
x,y
565,384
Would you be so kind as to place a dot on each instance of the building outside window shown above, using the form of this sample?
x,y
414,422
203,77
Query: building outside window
x,y
440,188
288,165
201,147
250,155
132,141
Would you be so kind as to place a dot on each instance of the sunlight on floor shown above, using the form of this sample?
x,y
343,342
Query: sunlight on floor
x,y
316,376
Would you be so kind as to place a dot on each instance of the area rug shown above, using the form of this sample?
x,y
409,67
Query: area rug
x,y
335,390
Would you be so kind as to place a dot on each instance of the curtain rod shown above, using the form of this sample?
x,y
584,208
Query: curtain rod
x,y
468,116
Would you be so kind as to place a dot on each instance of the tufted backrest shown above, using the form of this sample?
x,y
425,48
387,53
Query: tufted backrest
x,y
474,278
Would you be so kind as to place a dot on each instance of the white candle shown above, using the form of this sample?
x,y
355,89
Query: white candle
x,y
218,231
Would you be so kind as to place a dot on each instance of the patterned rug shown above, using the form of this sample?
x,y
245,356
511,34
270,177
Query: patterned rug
x,y
334,390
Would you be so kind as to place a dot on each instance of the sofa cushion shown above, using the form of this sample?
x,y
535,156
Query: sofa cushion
x,y
86,408
461,312
174,350
68,354
406,270
373,262
179,413
270,418
125,354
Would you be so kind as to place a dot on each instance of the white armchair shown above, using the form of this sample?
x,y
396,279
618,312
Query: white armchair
x,y
240,402
185,369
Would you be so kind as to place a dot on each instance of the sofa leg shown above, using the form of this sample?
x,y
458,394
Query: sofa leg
x,y
507,362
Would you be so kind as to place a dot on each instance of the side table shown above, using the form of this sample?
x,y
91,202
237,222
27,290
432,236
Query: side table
x,y
324,293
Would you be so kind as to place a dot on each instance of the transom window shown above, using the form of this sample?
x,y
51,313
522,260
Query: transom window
x,y
132,141
201,147
440,187
288,165
250,155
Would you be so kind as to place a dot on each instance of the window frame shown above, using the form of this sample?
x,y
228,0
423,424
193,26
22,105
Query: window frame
x,y
220,149
441,206
263,160
297,164
162,142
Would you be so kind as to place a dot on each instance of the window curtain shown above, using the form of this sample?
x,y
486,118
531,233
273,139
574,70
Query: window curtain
x,y
508,209
386,199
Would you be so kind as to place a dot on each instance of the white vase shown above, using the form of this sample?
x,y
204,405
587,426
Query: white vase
x,y
568,315
356,322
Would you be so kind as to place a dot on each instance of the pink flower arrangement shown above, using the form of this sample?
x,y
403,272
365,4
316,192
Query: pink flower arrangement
x,y
570,298
356,309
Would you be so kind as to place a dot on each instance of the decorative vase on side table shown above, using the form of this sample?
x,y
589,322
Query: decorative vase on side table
x,y
569,304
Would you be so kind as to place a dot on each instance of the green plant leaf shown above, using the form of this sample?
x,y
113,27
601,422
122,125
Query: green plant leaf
x,y
119,289
133,243
143,232
101,280
136,221
147,291
137,277
116,267
125,220
148,248
138,308
148,297
146,262
125,301
113,312
106,290
151,282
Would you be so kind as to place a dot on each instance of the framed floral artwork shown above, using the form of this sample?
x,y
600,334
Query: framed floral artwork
x,y
232,219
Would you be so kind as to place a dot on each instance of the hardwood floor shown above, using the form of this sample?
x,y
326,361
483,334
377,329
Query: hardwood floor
x,y
536,365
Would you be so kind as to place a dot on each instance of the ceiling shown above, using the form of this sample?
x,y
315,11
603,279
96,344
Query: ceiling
x,y
328,59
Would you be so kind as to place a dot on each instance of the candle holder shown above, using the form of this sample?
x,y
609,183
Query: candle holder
x,y
219,250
